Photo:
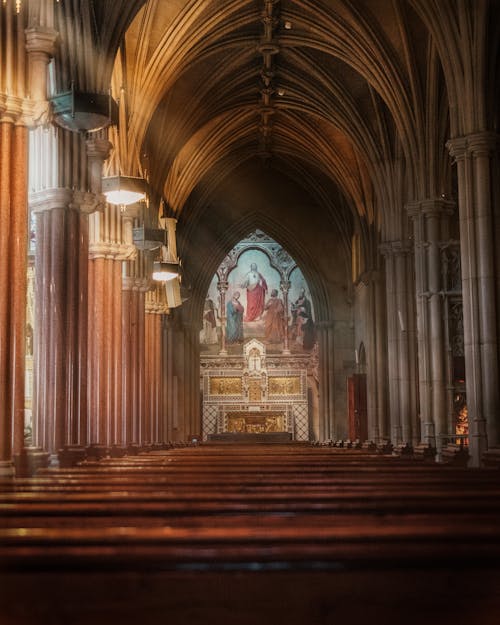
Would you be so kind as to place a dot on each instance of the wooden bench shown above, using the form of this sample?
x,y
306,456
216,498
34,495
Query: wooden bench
x,y
232,535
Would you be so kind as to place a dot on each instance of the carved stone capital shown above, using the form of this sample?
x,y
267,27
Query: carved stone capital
x,y
49,199
62,197
98,149
435,207
396,248
476,144
41,40
88,202
112,251
11,109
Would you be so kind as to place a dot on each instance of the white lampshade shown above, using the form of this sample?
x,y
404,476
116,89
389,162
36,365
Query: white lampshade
x,y
123,190
164,272
173,292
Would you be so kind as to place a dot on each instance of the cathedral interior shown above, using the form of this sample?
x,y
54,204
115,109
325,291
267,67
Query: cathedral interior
x,y
249,311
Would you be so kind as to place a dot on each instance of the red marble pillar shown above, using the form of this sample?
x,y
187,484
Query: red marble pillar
x,y
13,268
155,307
6,464
60,321
148,377
127,365
18,273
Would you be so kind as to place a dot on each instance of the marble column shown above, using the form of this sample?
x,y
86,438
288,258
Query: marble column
x,y
155,308
107,251
326,374
430,225
135,369
285,288
222,287
13,271
400,336
168,375
477,160
376,362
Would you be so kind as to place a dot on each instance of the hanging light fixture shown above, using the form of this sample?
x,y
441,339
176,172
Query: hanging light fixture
x,y
124,190
165,271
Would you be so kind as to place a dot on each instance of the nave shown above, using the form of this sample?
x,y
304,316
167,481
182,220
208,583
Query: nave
x,y
220,533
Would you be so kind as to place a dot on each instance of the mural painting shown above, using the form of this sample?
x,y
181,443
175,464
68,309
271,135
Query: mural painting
x,y
258,292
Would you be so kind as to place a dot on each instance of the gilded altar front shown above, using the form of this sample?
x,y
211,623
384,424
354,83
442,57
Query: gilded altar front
x,y
255,394
256,424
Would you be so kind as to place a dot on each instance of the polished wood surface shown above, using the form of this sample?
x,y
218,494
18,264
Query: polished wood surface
x,y
251,534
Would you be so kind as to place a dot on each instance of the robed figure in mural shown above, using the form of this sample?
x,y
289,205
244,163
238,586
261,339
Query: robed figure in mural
x,y
256,287
274,319
209,323
234,320
302,321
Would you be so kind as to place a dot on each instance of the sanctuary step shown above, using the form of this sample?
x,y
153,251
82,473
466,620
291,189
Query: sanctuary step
x,y
250,437
247,534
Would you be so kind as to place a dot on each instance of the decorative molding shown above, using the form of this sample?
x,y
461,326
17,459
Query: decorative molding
x,y
115,251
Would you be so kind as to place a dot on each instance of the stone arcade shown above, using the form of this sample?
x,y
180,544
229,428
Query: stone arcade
x,y
321,180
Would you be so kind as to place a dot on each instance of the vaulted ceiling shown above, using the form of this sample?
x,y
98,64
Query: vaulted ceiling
x,y
245,112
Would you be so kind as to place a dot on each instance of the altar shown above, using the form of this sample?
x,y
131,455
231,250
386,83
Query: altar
x,y
255,395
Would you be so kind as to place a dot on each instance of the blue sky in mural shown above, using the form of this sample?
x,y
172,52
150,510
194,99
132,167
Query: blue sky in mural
x,y
254,303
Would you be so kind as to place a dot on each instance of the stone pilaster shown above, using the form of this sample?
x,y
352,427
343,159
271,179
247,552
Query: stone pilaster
x,y
326,374
401,374
156,306
430,226
107,251
13,271
477,160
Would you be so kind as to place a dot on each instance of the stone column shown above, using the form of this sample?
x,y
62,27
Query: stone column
x,y
476,156
168,374
155,307
401,373
285,288
13,271
135,284
376,362
61,305
392,343
430,227
326,371
40,46
107,251
222,287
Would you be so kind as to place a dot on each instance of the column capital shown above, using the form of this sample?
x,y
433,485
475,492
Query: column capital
x,y
49,199
111,251
432,207
41,40
98,149
475,144
62,197
88,202
12,109
222,286
23,111
133,283
396,248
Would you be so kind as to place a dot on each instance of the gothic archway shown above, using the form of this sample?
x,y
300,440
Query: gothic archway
x,y
258,297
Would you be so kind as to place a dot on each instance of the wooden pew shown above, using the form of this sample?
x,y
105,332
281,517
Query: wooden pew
x,y
251,536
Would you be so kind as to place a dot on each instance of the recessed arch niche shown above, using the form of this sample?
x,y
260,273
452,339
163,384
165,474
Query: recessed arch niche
x,y
259,296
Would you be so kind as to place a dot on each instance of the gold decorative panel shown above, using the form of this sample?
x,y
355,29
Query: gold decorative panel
x,y
254,390
256,424
225,386
284,386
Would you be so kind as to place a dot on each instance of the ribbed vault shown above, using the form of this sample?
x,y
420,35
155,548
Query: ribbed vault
x,y
347,99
